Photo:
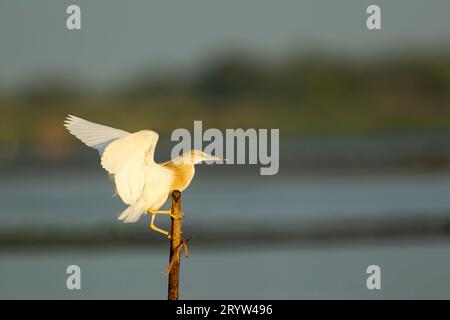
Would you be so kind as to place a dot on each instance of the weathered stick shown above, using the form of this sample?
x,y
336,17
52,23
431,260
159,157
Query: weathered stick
x,y
175,246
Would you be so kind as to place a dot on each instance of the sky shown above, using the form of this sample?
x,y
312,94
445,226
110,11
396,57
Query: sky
x,y
119,38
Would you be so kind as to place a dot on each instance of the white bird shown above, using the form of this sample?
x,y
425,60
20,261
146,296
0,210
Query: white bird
x,y
141,183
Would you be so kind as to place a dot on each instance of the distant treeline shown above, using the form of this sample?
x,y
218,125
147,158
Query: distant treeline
x,y
304,95
303,77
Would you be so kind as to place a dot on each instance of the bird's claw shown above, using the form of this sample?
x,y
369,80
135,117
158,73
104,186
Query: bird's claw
x,y
181,216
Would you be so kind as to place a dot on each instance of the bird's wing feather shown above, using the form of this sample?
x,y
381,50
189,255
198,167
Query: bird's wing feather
x,y
92,134
127,159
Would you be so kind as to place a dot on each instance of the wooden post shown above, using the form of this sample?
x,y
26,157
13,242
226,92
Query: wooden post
x,y
175,246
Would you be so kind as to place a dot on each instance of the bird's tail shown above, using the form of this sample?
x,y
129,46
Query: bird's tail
x,y
133,212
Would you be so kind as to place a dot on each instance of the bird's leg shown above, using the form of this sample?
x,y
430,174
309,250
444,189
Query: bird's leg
x,y
169,212
152,225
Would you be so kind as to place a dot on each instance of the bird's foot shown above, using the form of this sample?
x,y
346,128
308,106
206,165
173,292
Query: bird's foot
x,y
168,212
151,211
173,216
181,216
155,228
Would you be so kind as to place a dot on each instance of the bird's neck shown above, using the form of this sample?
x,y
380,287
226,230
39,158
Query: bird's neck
x,y
182,175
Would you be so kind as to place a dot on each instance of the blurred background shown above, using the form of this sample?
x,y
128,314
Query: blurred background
x,y
364,119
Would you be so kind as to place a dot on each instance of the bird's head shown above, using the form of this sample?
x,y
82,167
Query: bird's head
x,y
197,156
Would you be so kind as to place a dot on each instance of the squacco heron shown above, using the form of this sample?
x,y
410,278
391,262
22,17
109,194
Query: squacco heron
x,y
141,183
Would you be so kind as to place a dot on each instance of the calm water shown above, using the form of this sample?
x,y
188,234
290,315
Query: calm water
x,y
86,198
410,269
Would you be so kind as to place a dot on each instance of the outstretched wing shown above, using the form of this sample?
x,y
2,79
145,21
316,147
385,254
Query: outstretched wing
x,y
92,134
126,159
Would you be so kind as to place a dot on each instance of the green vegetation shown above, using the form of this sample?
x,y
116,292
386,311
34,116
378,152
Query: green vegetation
x,y
310,96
